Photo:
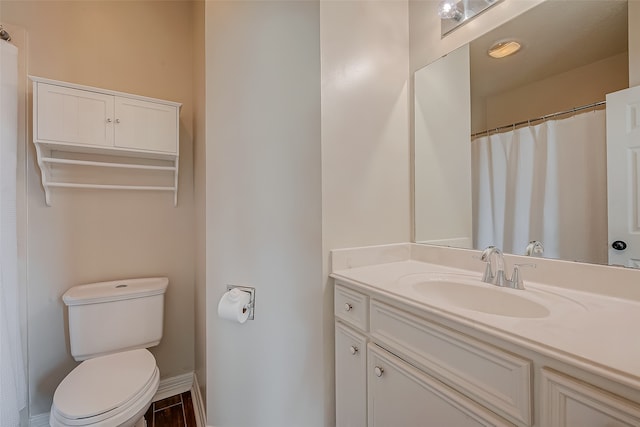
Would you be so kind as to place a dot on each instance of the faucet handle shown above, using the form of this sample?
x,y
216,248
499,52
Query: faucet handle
x,y
534,248
516,278
486,254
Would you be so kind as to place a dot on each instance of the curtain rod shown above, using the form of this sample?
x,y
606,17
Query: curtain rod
x,y
537,119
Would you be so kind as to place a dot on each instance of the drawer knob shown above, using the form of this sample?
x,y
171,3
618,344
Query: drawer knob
x,y
353,349
347,306
117,120
108,120
379,371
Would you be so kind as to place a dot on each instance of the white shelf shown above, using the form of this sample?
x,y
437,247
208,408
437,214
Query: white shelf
x,y
108,186
106,164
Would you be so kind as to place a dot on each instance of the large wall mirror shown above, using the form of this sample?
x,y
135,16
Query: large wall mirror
x,y
514,150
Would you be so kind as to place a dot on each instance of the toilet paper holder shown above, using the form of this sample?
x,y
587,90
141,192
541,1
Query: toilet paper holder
x,y
252,299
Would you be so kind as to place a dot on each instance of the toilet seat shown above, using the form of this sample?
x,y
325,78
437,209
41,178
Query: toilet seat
x,y
106,391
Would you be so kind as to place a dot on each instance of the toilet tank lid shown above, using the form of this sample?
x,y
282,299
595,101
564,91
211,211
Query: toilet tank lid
x,y
115,290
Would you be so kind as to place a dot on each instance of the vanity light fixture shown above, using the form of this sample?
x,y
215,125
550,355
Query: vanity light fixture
x,y
454,13
504,48
448,9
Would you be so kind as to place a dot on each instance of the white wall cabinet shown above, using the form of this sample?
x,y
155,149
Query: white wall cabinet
x,y
81,126
421,373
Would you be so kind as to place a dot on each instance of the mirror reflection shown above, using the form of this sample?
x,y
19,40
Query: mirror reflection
x,y
517,157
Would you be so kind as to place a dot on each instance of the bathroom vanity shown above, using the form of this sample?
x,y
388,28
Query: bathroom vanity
x,y
422,341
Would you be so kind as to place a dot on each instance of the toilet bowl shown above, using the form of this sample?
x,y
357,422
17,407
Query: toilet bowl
x,y
111,325
107,391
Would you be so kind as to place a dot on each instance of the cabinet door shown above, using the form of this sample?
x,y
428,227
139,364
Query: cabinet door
x,y
145,125
496,379
351,378
73,116
567,402
401,395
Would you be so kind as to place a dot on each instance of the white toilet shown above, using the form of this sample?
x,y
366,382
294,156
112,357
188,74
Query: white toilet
x,y
111,325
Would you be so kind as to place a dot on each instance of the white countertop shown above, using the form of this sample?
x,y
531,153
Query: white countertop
x,y
595,332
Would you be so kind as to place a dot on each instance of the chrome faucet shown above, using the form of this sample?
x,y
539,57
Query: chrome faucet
x,y
498,277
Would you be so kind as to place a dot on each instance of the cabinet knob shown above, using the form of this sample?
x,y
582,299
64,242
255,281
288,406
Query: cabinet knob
x,y
347,306
379,371
117,120
353,349
108,120
619,245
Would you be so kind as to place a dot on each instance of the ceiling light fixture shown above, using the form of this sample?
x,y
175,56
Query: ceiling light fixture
x,y
504,48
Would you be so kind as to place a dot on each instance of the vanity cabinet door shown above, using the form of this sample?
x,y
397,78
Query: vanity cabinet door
x,y
401,395
496,379
145,125
71,116
351,378
568,402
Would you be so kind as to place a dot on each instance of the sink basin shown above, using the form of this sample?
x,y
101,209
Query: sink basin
x,y
480,297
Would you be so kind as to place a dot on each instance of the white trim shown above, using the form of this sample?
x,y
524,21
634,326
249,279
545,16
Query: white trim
x,y
198,404
40,420
175,385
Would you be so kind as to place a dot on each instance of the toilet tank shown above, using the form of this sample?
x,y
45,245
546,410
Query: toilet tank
x,y
109,317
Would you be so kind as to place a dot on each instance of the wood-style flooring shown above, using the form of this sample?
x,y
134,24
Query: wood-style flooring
x,y
174,411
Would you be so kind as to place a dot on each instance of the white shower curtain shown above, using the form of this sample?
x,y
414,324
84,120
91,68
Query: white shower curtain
x,y
545,182
12,374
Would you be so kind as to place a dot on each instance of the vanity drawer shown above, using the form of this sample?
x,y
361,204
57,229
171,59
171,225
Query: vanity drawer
x,y
351,307
497,379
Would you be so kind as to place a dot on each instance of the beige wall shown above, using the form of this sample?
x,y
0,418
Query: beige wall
x,y
263,212
365,187
365,140
580,86
139,47
634,43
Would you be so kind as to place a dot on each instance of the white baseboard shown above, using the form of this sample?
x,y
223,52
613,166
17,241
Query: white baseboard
x,y
174,385
167,387
198,404
40,420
